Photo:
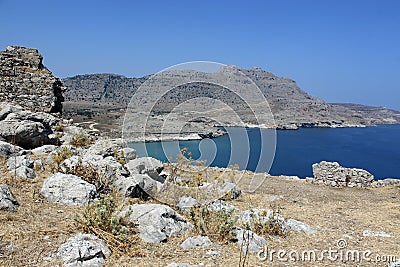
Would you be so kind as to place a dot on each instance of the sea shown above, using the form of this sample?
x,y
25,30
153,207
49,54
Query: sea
x,y
290,152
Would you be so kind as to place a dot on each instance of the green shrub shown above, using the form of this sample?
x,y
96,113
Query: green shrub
x,y
215,224
81,140
264,226
99,218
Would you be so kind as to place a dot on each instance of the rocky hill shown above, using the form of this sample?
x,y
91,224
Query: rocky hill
x,y
291,106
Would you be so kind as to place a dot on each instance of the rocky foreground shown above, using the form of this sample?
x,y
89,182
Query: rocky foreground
x,y
85,201
69,197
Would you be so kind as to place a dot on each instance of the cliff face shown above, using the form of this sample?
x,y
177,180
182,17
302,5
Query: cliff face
x,y
25,81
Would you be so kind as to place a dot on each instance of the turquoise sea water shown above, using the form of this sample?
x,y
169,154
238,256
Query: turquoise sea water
x,y
376,149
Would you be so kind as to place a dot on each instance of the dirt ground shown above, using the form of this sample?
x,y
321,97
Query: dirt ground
x,y
340,216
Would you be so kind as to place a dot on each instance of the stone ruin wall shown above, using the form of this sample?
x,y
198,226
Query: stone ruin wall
x,y
25,81
331,173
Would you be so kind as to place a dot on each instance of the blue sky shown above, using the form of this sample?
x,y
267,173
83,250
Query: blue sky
x,y
338,50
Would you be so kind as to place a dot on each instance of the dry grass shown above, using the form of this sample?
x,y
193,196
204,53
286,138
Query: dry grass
x,y
39,227
91,175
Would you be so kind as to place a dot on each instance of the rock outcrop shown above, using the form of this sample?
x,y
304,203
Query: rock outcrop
x,y
197,242
299,226
331,173
68,189
248,240
7,199
83,250
146,165
385,182
7,149
26,128
22,166
24,80
156,222
138,186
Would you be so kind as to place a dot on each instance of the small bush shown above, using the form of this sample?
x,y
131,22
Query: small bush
x,y
99,219
59,127
59,157
215,224
81,140
264,226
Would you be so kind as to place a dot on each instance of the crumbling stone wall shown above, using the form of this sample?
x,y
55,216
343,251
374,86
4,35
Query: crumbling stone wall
x,y
331,173
24,80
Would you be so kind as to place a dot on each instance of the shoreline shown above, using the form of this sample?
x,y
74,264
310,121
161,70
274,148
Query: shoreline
x,y
196,136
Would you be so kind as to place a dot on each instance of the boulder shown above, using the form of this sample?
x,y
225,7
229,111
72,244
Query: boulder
x,y
27,129
23,172
7,199
197,242
110,168
6,149
18,161
137,186
185,203
83,250
299,226
375,233
106,147
48,120
68,189
43,150
385,182
146,165
156,222
247,239
129,153
27,134
7,108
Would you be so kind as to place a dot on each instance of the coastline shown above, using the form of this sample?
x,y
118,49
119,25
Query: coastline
x,y
216,134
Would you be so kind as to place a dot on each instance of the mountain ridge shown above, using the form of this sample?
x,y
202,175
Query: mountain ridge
x,y
291,106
